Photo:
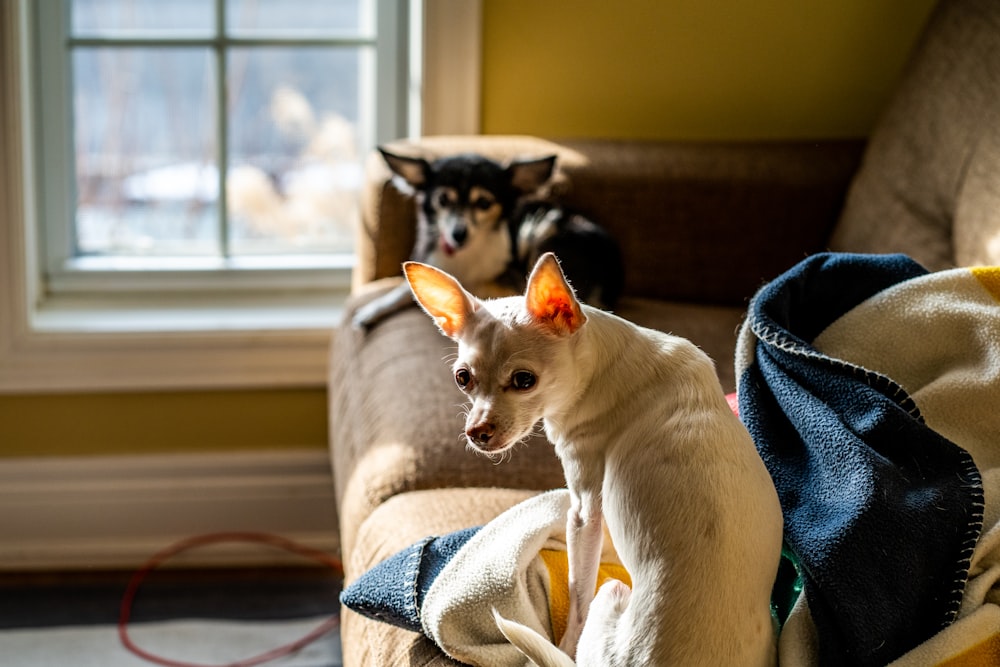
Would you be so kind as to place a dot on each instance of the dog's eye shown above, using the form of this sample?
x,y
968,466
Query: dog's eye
x,y
523,380
444,199
463,378
483,203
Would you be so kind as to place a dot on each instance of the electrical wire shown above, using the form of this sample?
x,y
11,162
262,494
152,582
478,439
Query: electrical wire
x,y
128,599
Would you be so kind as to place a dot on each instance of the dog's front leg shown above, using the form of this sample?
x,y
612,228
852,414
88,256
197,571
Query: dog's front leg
x,y
583,545
378,309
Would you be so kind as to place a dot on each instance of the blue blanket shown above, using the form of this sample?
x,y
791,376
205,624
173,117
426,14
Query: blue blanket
x,y
882,512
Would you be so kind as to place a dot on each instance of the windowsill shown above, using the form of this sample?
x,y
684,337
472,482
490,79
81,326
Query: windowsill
x,y
168,295
237,313
127,343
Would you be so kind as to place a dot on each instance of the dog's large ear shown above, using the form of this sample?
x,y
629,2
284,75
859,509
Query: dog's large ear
x,y
441,297
529,175
550,300
414,170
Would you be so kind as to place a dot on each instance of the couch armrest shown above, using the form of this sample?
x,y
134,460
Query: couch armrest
x,y
698,221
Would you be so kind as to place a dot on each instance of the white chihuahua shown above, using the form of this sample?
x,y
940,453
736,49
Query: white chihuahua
x,y
646,439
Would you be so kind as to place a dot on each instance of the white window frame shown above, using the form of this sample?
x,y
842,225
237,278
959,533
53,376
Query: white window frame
x,y
87,339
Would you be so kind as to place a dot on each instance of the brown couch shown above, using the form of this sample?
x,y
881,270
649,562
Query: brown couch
x,y
702,226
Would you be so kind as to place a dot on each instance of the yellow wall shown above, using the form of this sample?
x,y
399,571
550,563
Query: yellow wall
x,y
674,69
693,69
134,423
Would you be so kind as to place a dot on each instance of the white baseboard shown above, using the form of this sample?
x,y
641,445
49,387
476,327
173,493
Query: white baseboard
x,y
115,512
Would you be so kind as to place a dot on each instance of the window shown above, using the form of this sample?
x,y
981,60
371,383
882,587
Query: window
x,y
205,137
98,291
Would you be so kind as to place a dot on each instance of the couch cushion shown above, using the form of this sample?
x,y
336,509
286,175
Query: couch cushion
x,y
932,165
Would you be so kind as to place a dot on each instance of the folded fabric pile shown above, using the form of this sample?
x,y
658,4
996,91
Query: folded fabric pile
x,y
872,390
447,587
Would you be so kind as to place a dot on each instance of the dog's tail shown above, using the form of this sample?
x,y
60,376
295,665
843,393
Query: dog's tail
x,y
538,648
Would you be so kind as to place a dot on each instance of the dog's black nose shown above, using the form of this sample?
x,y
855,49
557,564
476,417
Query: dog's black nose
x,y
481,434
459,234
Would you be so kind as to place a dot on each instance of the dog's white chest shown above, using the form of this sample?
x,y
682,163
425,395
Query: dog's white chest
x,y
481,260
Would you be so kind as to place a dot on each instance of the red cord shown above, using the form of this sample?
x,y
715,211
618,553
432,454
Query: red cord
x,y
157,559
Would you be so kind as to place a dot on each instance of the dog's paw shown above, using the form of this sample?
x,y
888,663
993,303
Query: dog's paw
x,y
372,313
368,315
611,599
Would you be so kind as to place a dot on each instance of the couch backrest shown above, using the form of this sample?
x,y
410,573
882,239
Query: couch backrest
x,y
711,222
701,222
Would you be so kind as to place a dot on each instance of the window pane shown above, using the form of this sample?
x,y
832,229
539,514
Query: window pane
x,y
118,18
291,18
295,170
144,128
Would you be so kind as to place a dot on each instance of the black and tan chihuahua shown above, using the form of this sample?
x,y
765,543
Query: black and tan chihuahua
x,y
486,224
